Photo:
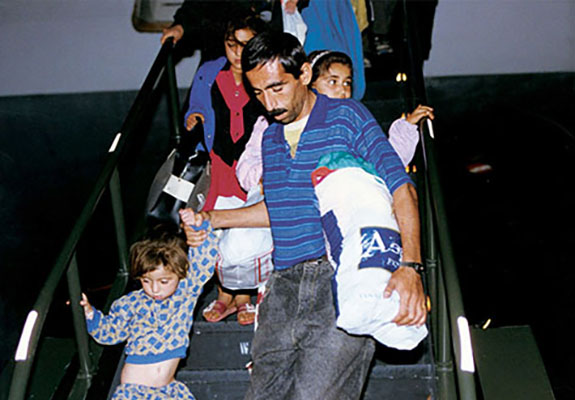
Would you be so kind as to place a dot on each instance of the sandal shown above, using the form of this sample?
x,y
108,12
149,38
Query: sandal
x,y
247,309
221,308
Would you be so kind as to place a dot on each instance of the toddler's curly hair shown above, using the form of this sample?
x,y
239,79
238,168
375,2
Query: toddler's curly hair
x,y
166,250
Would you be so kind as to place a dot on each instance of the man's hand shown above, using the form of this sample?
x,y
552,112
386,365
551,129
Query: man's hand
x,y
412,306
176,32
254,216
190,219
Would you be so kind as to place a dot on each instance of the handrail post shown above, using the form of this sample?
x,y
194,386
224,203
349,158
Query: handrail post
x,y
173,99
118,212
439,313
431,259
82,341
431,266
449,282
444,356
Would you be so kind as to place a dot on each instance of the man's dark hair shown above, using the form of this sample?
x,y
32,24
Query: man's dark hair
x,y
273,45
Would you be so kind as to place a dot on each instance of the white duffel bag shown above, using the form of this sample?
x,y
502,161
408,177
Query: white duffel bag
x,y
364,246
245,253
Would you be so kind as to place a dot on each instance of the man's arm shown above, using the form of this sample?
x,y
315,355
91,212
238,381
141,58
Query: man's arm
x,y
405,280
255,216
407,215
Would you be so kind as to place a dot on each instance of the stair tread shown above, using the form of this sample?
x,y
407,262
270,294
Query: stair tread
x,y
232,384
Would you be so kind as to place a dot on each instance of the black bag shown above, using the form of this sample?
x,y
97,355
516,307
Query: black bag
x,y
171,189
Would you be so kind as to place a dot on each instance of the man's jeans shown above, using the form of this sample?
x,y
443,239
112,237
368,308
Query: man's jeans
x,y
297,351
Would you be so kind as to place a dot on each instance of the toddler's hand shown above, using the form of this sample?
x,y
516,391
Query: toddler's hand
x,y
88,310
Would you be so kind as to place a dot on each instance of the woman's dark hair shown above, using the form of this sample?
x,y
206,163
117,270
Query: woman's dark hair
x,y
243,19
321,60
272,45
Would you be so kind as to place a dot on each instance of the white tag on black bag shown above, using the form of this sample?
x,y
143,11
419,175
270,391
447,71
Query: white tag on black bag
x,y
179,188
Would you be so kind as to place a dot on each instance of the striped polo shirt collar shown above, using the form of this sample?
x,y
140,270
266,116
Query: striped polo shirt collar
x,y
317,116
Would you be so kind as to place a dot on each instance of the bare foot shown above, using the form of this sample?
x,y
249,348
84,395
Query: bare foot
x,y
220,308
246,310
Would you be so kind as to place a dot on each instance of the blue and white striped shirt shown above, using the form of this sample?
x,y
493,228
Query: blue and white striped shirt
x,y
333,125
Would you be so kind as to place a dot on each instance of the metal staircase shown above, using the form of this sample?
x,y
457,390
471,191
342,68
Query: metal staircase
x,y
438,369
219,353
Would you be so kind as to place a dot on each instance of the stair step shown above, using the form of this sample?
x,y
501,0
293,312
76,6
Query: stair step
x,y
399,382
226,345
216,384
219,346
403,389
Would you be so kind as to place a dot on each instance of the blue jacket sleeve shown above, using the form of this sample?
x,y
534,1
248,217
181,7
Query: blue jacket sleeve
x,y
201,98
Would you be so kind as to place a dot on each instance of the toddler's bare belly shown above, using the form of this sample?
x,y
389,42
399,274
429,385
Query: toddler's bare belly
x,y
156,375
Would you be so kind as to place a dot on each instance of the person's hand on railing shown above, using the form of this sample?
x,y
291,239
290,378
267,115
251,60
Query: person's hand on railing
x,y
193,119
176,32
412,301
420,112
88,310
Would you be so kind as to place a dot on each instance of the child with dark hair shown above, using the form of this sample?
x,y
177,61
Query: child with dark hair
x,y
219,99
332,75
155,321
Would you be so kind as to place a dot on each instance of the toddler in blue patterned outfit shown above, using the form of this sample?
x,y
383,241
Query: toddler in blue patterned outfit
x,y
155,321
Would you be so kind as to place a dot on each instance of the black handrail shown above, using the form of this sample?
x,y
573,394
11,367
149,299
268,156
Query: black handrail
x,y
108,180
450,328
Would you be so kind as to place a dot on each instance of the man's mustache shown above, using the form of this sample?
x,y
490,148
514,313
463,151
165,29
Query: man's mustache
x,y
276,111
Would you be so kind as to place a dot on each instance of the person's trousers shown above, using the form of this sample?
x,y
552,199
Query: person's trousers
x,y
297,351
175,390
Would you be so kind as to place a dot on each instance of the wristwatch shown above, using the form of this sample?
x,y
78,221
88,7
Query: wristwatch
x,y
412,264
